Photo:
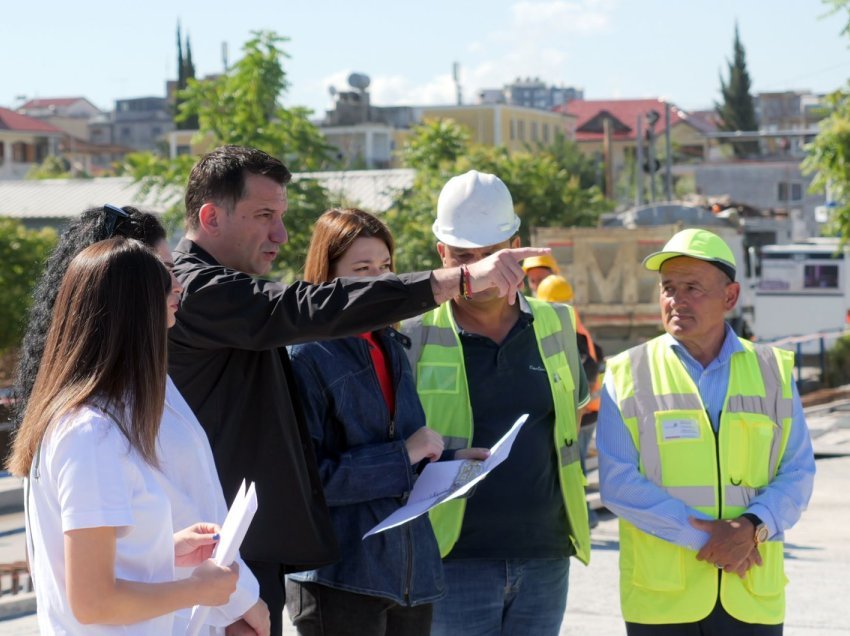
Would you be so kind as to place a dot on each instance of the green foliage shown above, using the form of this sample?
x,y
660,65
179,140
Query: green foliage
x,y
737,112
242,107
837,372
53,167
550,185
829,160
23,253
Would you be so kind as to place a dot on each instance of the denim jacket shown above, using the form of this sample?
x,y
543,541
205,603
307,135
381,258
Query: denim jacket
x,y
365,468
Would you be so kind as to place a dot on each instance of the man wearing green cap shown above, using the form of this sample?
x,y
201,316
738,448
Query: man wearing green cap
x,y
705,457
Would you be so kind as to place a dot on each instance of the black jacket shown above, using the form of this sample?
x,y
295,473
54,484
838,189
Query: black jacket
x,y
227,357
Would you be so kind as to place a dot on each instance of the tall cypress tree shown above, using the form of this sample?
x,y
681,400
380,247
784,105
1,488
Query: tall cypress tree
x,y
189,73
737,112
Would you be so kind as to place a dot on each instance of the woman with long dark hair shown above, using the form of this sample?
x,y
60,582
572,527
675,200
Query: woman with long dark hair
x,y
369,432
102,549
185,458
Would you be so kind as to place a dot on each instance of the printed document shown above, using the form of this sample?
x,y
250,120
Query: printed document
x,y
442,481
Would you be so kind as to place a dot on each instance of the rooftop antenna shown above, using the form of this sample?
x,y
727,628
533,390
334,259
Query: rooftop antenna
x,y
456,78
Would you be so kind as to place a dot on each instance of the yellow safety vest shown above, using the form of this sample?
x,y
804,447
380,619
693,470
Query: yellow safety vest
x,y
436,358
661,582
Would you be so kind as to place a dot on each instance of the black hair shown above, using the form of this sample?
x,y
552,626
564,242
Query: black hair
x,y
93,225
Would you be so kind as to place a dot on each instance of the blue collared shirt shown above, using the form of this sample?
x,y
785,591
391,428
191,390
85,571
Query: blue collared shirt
x,y
631,496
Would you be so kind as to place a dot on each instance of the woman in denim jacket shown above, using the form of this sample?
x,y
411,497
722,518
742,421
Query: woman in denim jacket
x,y
369,432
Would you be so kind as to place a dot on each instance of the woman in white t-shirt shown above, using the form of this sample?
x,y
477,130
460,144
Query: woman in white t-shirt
x,y
102,549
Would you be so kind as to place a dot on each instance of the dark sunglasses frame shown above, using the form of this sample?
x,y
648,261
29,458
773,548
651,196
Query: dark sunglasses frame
x,y
113,213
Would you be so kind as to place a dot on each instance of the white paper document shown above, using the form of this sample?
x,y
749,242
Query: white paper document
x,y
232,533
442,481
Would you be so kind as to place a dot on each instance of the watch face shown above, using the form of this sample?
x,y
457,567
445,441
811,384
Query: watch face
x,y
761,533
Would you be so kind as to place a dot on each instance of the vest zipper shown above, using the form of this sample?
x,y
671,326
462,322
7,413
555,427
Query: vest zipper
x,y
719,483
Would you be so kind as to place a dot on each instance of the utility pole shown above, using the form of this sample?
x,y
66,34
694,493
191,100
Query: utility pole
x,y
652,118
609,161
639,162
668,152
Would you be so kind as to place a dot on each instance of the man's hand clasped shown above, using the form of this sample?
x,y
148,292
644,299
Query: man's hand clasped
x,y
731,545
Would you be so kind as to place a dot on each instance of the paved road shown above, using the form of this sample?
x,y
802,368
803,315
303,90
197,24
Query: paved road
x,y
817,553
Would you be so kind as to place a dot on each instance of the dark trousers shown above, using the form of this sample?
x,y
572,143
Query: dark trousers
x,y
270,576
718,623
319,610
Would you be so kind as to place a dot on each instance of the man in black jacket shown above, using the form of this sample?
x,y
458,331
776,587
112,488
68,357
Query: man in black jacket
x,y
227,355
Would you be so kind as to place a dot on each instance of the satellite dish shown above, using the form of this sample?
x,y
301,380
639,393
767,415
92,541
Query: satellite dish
x,y
332,91
359,81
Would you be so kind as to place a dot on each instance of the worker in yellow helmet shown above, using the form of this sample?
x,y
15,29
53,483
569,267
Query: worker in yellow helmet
x,y
557,289
537,268
704,456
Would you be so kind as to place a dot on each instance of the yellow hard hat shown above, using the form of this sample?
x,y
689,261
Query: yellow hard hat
x,y
555,289
540,261
696,243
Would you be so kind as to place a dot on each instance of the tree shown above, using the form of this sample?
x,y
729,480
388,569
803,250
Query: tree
x,y
23,253
550,186
737,112
243,107
828,156
185,72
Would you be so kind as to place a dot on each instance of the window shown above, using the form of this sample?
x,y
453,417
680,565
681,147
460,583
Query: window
x,y
821,277
545,133
521,130
790,191
534,131
513,129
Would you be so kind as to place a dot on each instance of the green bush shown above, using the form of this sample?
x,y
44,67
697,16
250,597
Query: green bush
x,y
838,363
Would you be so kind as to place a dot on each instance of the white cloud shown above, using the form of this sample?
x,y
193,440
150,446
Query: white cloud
x,y
534,42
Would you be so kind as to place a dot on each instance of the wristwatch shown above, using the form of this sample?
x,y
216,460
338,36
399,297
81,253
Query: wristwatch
x,y
761,531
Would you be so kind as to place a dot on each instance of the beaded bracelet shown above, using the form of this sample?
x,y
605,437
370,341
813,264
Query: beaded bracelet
x,y
465,283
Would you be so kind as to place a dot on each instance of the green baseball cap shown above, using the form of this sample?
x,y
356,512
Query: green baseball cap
x,y
701,244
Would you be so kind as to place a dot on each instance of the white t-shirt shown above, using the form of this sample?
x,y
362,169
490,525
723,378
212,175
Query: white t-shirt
x,y
87,476
193,487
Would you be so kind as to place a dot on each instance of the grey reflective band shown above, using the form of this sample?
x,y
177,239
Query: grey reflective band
x,y
694,496
441,336
784,407
569,453
454,443
551,345
738,495
644,405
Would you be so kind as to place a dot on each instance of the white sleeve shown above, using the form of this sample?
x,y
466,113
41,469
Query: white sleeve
x,y
94,475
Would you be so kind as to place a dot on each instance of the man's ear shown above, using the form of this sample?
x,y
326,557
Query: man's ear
x,y
515,242
441,250
208,219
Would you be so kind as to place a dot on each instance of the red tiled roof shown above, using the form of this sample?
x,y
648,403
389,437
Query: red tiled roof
x,y
623,111
47,102
10,120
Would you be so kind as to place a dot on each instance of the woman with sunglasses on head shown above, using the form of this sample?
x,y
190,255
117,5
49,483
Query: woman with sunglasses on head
x,y
369,432
101,548
185,458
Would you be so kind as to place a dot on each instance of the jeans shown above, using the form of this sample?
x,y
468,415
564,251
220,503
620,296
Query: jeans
x,y
319,610
514,597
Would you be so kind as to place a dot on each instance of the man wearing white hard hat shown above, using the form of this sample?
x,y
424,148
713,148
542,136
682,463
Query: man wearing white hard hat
x,y
481,362
704,456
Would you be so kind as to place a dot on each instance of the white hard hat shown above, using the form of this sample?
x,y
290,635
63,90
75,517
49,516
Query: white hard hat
x,y
475,210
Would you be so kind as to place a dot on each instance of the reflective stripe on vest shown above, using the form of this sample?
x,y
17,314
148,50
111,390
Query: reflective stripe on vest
x,y
437,360
644,404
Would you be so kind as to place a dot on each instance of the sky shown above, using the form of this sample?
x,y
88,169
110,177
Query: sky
x,y
610,48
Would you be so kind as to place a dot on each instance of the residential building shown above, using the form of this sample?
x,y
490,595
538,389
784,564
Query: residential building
x,y
530,93
792,111
140,123
778,187
24,143
687,134
516,127
70,114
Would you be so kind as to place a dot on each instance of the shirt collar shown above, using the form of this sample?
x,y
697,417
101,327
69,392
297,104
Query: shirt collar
x,y
730,346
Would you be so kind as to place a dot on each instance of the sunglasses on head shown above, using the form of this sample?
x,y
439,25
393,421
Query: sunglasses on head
x,y
113,213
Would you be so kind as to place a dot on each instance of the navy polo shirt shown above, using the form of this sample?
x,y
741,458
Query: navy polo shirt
x,y
517,512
